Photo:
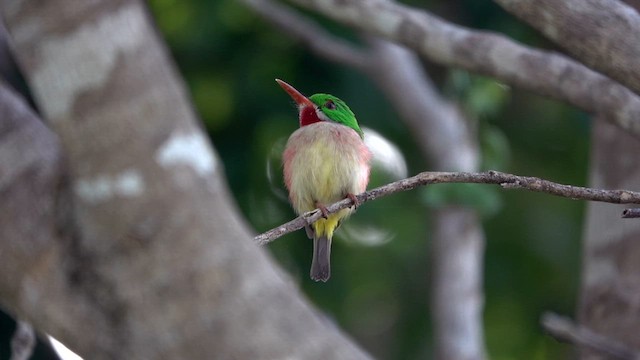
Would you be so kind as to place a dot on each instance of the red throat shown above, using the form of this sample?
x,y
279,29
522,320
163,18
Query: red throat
x,y
308,116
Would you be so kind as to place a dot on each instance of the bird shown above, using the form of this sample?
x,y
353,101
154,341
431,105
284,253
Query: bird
x,y
324,161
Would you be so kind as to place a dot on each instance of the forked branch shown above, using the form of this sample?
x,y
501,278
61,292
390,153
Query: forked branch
x,y
564,329
507,181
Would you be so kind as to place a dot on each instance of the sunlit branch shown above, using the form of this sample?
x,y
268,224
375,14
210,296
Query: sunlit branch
x,y
564,329
507,181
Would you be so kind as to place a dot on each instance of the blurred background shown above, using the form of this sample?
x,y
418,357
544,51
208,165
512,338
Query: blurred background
x,y
379,292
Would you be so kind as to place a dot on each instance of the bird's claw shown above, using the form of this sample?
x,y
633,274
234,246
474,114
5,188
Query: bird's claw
x,y
323,210
354,199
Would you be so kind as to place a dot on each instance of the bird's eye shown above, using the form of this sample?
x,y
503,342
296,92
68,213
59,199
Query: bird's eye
x,y
330,105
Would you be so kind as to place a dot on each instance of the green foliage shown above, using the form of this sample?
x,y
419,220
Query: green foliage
x,y
379,291
486,200
496,152
480,96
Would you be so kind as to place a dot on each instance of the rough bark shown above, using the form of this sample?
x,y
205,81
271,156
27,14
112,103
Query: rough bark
x,y
139,253
600,33
30,174
610,287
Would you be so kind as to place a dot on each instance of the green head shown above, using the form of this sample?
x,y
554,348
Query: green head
x,y
335,110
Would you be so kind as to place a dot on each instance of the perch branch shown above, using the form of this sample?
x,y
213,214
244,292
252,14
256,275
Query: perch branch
x,y
507,181
564,329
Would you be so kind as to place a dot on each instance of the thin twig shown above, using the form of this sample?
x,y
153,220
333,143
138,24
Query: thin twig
x,y
564,329
507,181
631,213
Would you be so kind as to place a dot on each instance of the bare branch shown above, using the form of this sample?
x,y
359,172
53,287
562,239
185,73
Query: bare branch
x,y
308,32
507,181
546,73
564,329
597,32
631,213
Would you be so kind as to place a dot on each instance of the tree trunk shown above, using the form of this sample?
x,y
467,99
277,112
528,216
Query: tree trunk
x,y
610,287
134,249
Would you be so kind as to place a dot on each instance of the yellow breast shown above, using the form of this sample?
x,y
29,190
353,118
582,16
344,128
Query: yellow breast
x,y
322,163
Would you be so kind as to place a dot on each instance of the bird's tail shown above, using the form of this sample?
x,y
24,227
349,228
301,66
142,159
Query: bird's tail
x,y
322,231
321,263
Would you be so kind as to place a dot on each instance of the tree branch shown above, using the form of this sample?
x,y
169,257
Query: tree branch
x,y
495,55
564,329
309,33
506,181
631,213
597,32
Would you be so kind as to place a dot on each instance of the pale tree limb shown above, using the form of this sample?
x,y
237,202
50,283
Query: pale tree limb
x,y
139,238
542,72
504,180
23,341
311,34
603,34
564,329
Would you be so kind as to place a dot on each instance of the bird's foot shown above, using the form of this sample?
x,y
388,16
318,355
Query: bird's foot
x,y
353,198
323,210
